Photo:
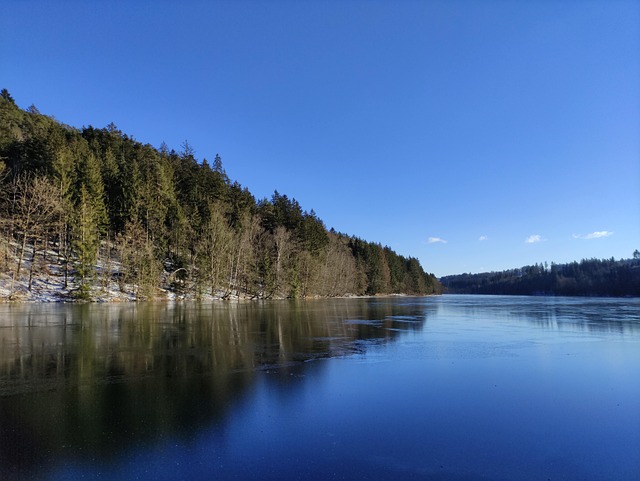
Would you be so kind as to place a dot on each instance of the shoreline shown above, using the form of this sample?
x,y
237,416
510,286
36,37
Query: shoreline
x,y
48,290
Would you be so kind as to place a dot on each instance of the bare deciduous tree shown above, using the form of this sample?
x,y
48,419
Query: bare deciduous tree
x,y
139,261
214,249
32,207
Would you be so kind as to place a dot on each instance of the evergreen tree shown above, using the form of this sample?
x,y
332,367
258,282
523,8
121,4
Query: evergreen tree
x,y
4,94
86,239
63,175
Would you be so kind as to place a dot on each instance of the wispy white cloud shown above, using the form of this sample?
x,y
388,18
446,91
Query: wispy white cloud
x,y
483,238
593,235
435,240
534,239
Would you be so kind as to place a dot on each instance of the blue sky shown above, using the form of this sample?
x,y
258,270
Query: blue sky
x,y
473,135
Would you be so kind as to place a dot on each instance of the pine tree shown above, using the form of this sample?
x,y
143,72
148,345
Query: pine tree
x,y
4,93
63,175
86,239
90,214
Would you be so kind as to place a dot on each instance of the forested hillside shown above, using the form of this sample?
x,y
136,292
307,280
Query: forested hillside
x,y
100,207
590,277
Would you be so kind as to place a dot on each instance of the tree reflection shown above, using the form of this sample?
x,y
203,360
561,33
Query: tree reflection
x,y
94,379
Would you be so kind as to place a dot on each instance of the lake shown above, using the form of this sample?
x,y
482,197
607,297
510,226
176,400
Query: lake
x,y
431,388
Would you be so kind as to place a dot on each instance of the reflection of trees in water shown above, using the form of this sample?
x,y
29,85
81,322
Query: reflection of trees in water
x,y
620,316
103,376
584,315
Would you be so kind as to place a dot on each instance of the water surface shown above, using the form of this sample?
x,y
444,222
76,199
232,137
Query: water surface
x,y
436,388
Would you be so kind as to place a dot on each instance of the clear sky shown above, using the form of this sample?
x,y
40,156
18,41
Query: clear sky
x,y
473,135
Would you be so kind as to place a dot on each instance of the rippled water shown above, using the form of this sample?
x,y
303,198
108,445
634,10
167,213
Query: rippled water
x,y
442,388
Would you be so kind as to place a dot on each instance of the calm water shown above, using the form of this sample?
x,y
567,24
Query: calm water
x,y
439,388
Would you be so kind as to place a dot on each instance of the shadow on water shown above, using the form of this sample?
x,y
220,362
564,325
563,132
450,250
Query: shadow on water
x,y
91,380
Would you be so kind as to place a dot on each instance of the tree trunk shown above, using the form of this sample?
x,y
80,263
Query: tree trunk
x,y
33,261
16,274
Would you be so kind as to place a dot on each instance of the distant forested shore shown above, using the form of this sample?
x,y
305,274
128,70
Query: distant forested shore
x,y
589,277
93,209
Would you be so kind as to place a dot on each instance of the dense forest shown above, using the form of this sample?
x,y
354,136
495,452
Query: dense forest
x,y
590,277
100,206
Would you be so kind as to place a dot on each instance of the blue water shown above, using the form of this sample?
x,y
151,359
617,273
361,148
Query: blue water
x,y
437,388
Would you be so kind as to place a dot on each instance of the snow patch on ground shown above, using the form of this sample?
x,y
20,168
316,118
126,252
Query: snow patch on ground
x,y
48,280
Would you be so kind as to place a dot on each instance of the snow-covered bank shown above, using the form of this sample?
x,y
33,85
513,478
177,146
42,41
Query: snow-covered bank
x,y
50,288
43,280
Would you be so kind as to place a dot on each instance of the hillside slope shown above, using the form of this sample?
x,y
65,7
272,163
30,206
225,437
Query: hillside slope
x,y
94,207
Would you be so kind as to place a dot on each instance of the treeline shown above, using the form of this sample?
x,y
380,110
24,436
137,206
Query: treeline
x,y
590,277
102,205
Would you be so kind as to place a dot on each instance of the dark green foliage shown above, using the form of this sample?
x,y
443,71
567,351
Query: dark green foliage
x,y
590,277
4,93
384,271
312,233
182,224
